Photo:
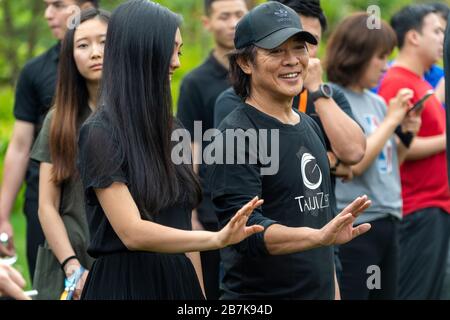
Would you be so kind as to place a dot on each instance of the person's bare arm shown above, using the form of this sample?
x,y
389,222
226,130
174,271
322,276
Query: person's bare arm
x,y
53,226
339,127
424,147
280,240
138,234
375,143
15,167
440,90
396,112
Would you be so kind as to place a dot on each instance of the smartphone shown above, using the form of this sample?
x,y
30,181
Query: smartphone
x,y
419,104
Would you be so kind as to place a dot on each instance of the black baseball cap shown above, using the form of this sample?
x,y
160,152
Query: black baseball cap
x,y
269,25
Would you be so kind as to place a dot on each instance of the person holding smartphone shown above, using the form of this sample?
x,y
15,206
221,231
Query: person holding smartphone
x,y
377,174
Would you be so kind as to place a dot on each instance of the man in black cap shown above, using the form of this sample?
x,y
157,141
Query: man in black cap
x,y
344,138
293,257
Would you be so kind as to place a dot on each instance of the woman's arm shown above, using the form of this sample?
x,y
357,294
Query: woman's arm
x,y
53,226
141,235
49,201
396,112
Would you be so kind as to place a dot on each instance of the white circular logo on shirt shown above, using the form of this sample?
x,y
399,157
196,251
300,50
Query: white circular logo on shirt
x,y
308,172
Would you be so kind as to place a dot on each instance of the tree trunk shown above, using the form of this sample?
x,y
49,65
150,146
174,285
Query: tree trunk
x,y
9,33
33,31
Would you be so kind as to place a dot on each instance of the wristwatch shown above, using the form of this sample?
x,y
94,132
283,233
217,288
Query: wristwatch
x,y
324,91
336,165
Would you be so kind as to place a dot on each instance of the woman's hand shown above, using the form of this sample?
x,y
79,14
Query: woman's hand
x,y
412,123
72,267
399,106
236,230
80,286
340,230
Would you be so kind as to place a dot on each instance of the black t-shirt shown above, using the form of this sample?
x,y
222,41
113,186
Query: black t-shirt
x,y
297,195
229,100
97,146
198,93
34,96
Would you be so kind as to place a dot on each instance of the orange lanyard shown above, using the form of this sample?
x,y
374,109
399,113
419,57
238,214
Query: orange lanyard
x,y
302,101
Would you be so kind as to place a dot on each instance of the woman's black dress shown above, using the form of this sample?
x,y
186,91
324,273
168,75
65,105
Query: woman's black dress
x,y
117,272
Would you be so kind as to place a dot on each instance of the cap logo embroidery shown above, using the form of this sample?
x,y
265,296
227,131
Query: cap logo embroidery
x,y
281,13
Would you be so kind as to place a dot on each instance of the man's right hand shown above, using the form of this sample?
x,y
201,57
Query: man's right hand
x,y
7,249
340,230
314,77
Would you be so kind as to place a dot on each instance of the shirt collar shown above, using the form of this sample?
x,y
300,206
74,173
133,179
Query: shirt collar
x,y
218,68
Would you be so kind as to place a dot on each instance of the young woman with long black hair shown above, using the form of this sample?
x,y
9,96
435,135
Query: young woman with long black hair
x,y
61,199
138,201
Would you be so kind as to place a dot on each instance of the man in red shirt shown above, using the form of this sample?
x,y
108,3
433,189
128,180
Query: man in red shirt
x,y
425,230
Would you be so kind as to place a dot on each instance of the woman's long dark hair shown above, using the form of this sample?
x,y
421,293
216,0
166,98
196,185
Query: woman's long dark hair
x,y
71,98
137,102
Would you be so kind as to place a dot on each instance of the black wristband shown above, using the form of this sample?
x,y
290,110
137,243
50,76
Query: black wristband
x,y
63,264
405,138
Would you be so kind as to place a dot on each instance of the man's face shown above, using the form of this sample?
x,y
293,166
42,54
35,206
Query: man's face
x,y
443,22
281,71
431,39
222,21
57,13
312,25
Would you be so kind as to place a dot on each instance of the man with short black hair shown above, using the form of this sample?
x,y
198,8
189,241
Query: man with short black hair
x,y
34,95
425,228
344,139
292,258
